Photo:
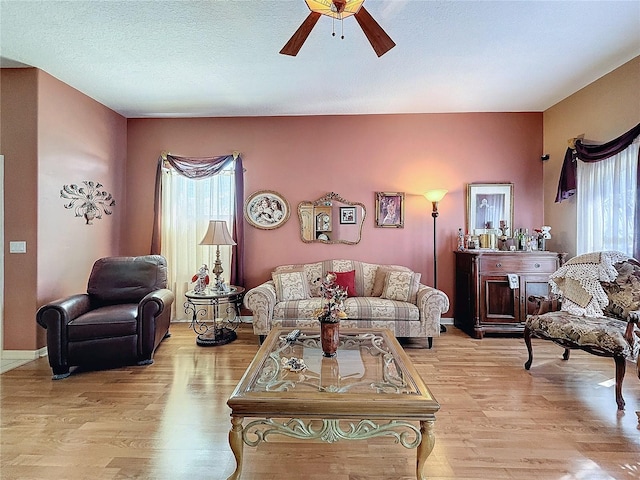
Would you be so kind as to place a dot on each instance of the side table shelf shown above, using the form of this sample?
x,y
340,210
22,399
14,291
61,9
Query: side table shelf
x,y
219,327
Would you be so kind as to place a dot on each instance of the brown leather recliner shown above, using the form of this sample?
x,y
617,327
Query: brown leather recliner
x,y
121,320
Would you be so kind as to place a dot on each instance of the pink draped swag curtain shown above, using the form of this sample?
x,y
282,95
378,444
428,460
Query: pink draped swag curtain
x,y
597,153
201,168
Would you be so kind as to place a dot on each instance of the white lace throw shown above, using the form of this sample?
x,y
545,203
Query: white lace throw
x,y
578,281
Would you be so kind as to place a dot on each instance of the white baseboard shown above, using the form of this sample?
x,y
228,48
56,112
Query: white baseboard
x,y
24,354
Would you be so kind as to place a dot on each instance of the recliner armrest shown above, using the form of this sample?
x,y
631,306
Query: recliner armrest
x,y
161,298
62,311
54,317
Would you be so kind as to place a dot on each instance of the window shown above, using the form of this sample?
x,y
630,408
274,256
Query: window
x,y
606,202
187,206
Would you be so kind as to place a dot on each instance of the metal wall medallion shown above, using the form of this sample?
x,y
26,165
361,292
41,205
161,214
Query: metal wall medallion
x,y
88,202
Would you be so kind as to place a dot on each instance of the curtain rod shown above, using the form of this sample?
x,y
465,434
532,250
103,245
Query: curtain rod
x,y
164,154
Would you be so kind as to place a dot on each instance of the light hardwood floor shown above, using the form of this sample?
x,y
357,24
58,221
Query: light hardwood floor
x,y
170,420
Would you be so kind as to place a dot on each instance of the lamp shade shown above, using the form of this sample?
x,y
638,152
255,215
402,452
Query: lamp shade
x,y
217,234
435,195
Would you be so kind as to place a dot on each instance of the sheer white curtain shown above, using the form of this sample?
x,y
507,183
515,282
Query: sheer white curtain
x,y
606,202
187,206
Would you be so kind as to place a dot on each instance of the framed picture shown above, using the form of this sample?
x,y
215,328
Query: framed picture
x,y
348,215
489,207
266,209
390,209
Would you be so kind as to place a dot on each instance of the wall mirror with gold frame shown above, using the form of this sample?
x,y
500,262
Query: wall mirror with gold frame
x,y
331,219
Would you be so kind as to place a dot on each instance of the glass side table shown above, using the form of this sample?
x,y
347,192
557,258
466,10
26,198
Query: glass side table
x,y
215,316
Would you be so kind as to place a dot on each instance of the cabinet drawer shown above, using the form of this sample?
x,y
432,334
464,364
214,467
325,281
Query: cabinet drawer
x,y
513,264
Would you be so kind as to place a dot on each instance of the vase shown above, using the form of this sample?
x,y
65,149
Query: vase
x,y
329,338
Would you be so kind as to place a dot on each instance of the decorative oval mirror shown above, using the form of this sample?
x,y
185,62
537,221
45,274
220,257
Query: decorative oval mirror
x,y
331,219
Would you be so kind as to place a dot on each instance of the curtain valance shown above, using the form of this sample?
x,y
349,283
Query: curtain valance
x,y
589,153
204,167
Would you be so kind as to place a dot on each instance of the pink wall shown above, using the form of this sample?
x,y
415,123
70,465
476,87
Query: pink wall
x,y
18,143
303,158
53,135
78,139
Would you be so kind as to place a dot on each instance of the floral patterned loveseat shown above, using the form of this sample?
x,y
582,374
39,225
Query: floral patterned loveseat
x,y
595,307
380,296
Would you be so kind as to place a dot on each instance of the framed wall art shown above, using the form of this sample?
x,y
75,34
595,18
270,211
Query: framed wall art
x,y
348,215
266,209
390,209
489,207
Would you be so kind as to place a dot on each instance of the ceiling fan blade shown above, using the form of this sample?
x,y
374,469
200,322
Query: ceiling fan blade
x,y
378,38
294,44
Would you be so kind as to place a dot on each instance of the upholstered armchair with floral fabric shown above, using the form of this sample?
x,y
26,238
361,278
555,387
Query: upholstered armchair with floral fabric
x,y
595,307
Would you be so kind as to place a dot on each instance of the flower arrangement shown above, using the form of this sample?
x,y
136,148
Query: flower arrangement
x,y
333,309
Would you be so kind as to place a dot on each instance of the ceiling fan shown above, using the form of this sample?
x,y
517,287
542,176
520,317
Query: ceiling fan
x,y
340,9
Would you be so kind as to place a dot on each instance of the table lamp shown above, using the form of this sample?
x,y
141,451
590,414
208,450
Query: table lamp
x,y
217,234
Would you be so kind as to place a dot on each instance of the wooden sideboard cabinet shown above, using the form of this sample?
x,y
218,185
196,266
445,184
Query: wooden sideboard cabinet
x,y
485,302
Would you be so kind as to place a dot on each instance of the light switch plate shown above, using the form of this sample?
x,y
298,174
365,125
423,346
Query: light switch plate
x,y
18,247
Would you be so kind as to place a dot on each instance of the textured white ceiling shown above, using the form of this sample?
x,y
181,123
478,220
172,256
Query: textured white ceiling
x,y
220,57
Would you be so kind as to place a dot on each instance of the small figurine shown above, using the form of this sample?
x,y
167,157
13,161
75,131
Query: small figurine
x,y
202,280
221,286
544,234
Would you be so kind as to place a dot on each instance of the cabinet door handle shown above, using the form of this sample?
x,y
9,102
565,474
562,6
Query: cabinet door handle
x,y
537,265
498,264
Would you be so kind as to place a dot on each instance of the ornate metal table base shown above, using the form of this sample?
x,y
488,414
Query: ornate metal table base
x,y
216,330
330,430
215,337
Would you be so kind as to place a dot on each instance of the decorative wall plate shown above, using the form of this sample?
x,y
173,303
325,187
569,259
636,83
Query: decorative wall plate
x,y
266,209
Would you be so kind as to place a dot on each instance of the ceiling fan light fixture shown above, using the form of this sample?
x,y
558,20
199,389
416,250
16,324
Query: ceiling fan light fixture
x,y
335,8
339,9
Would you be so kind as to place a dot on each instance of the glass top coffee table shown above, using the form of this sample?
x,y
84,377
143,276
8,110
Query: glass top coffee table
x,y
370,389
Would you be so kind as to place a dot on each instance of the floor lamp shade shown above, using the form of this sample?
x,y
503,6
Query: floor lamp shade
x,y
217,234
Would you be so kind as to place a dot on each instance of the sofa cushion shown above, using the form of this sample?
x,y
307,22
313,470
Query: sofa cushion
x,y
105,322
381,275
313,272
367,308
624,292
347,281
401,286
291,285
117,280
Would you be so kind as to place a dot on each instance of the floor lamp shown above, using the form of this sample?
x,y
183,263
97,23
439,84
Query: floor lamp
x,y
434,196
217,234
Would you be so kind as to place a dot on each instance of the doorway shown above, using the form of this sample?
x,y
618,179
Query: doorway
x,y
2,362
